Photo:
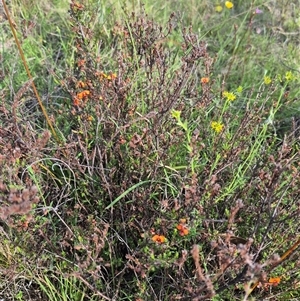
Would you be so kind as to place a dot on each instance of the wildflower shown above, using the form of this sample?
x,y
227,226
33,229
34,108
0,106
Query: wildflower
x,y
159,239
229,4
83,94
289,76
204,80
217,126
122,140
90,118
258,11
176,114
80,96
81,63
274,281
182,229
229,96
239,89
112,76
80,84
77,6
219,8
267,80
76,102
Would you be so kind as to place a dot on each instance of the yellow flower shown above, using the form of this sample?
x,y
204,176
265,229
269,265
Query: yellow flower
x,y
229,96
289,76
112,76
217,126
219,8
176,114
267,80
239,89
229,4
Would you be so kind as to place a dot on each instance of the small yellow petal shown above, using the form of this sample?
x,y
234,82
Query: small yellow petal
x,y
229,4
267,80
217,126
239,89
176,114
219,8
289,76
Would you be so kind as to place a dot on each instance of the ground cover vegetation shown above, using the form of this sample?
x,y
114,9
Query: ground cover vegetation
x,y
162,159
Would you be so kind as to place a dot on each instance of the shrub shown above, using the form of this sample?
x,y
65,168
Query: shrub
x,y
167,184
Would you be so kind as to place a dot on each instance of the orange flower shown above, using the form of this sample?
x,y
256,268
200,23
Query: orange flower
x,y
76,102
204,80
81,63
182,229
78,6
274,281
101,75
112,76
80,84
159,238
90,118
83,94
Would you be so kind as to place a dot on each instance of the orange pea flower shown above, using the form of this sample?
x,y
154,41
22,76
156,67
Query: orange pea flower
x,y
112,76
80,96
204,80
81,63
76,102
77,6
89,118
182,229
83,94
274,281
159,239
80,84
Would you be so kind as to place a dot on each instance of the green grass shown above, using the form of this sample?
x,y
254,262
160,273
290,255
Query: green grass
x,y
160,186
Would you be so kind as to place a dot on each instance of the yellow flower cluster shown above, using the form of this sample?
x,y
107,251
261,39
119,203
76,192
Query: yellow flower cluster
x,y
228,4
229,96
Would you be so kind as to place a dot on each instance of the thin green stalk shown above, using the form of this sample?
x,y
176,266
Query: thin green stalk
x,y
28,72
